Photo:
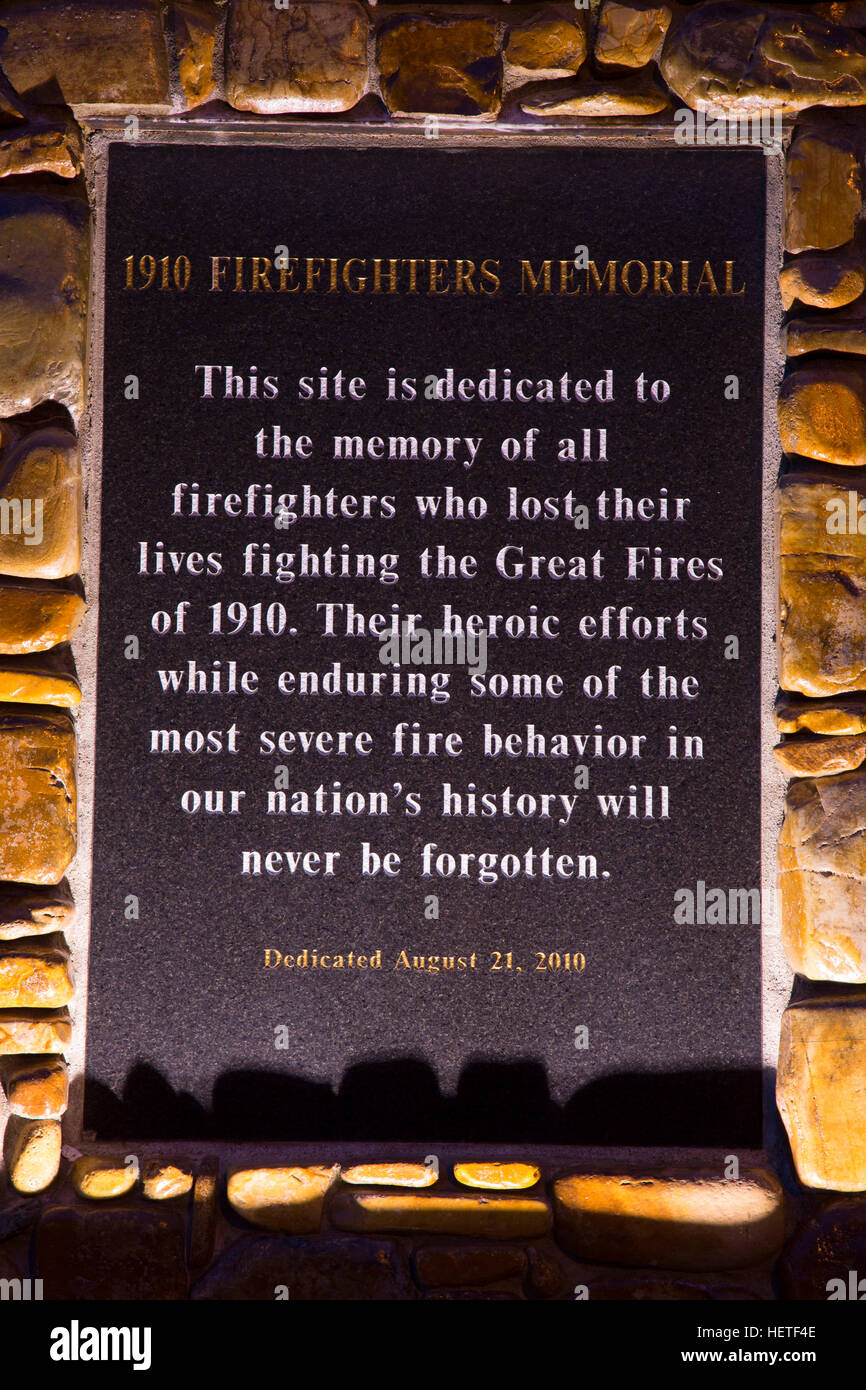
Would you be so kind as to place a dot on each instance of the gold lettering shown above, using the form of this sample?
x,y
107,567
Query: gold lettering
x,y
527,274
644,277
708,277
729,280
260,276
609,272
662,278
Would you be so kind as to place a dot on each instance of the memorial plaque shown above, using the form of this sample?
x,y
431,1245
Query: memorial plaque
x,y
427,794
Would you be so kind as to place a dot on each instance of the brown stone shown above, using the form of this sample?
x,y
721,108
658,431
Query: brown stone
x,y
842,331
37,616
443,65
449,1214
22,1032
822,576
637,95
281,1199
195,31
32,1154
163,1181
824,280
309,57
820,1091
37,1088
457,1266
472,1296
497,1176
100,1177
40,490
823,192
8,1269
45,679
124,1253
547,1276
849,12
647,1290
42,146
389,1175
44,255
822,868
678,1219
551,42
37,794
822,411
16,1220
630,35
26,911
34,976
826,1258
205,1211
845,715
330,1268
92,53
820,757
735,56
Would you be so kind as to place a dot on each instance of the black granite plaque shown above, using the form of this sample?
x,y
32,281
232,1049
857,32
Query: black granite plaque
x,y
572,954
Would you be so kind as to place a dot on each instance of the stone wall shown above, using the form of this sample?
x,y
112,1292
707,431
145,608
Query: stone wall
x,y
382,1225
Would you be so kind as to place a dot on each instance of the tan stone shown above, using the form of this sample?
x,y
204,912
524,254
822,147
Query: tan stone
x,y
42,147
822,411
34,976
449,1214
636,95
163,1181
551,42
87,52
822,576
26,911
37,1088
820,757
204,1214
309,57
501,1177
281,1199
629,35
33,1154
100,1178
40,485
23,1033
821,1089
442,64
44,256
37,794
732,55
822,875
825,280
37,616
845,715
677,1219
389,1175
47,679
195,31
823,193
841,331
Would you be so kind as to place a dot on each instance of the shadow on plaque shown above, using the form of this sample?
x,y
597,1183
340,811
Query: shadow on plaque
x,y
401,1101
